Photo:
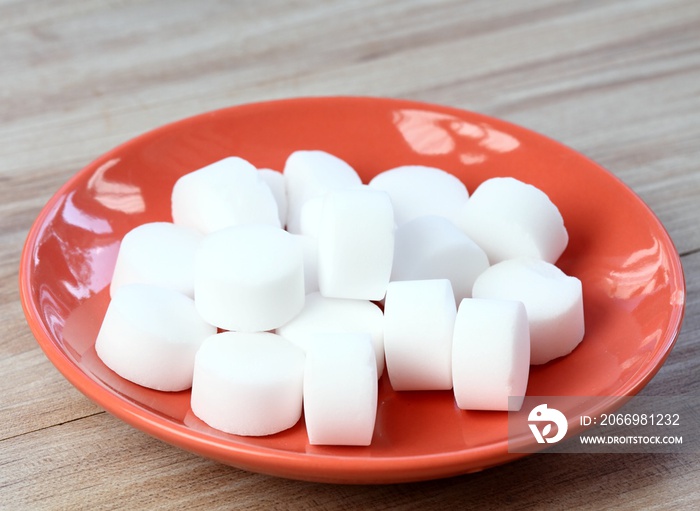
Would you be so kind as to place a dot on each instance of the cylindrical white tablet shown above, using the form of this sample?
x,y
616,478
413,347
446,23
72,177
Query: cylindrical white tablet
x,y
310,174
310,217
150,335
226,193
337,315
419,317
158,253
340,390
509,218
309,247
490,354
432,247
553,300
248,383
276,182
355,244
249,278
417,190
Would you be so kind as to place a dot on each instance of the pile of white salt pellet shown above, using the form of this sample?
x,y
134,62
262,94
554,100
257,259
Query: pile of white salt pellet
x,y
273,294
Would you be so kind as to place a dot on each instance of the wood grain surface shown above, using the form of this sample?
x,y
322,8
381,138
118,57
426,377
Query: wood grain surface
x,y
618,81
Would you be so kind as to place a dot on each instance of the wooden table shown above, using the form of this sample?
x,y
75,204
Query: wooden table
x,y
617,81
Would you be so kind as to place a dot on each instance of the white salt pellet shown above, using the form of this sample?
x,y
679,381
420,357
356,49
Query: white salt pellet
x,y
355,244
275,180
226,193
150,335
509,218
310,217
340,390
417,190
159,253
248,383
310,174
553,300
432,247
490,354
337,315
249,277
419,317
309,247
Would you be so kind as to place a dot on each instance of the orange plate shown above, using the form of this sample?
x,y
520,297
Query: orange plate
x,y
632,277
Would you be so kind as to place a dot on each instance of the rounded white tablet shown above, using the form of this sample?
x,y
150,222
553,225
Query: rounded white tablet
x,y
432,247
150,335
355,244
309,246
340,390
276,182
490,354
337,315
249,278
310,217
509,218
553,300
417,190
158,253
419,317
310,174
248,383
226,193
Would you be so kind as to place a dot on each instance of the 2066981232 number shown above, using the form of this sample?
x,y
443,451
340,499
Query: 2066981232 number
x,y
639,419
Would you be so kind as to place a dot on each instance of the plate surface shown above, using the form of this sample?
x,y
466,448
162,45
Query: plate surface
x,y
634,292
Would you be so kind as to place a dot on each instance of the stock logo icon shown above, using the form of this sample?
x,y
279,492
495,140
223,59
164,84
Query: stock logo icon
x,y
543,417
